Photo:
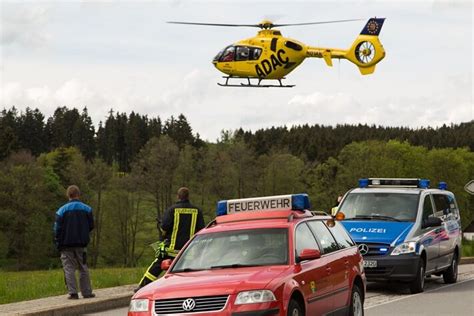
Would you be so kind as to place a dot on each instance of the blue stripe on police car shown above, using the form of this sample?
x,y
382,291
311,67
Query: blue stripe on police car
x,y
377,231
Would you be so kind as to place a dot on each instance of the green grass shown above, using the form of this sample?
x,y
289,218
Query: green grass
x,y
467,248
28,285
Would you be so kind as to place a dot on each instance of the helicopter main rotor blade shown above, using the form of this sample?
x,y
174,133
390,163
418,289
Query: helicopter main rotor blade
x,y
311,23
215,24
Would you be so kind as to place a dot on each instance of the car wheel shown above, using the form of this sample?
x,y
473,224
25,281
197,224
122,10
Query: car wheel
x,y
294,308
357,304
418,284
451,275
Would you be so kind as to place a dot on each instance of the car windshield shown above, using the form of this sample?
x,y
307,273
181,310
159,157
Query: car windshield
x,y
380,206
238,248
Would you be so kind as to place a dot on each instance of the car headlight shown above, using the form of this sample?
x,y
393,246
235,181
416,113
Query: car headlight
x,y
406,247
139,305
259,296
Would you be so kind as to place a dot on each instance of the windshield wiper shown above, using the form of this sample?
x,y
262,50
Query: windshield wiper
x,y
234,265
186,270
388,218
383,217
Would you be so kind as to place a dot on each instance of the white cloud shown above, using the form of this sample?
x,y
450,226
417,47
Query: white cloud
x,y
434,110
24,25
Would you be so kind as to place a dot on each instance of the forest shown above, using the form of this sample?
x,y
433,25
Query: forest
x,y
130,166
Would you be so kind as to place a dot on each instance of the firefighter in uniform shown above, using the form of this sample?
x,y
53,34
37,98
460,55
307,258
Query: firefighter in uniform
x,y
180,222
336,206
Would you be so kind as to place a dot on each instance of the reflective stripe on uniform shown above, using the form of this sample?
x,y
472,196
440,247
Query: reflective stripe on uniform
x,y
177,213
148,275
193,223
172,253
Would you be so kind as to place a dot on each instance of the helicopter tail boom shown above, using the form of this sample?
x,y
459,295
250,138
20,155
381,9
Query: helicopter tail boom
x,y
365,52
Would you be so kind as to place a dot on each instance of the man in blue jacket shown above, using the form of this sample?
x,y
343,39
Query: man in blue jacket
x,y
73,224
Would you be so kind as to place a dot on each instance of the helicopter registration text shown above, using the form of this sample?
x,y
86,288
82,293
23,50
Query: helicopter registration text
x,y
267,66
314,54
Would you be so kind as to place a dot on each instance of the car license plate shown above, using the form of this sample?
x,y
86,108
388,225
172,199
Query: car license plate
x,y
370,263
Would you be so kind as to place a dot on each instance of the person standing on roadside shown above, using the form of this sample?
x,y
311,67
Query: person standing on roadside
x,y
74,222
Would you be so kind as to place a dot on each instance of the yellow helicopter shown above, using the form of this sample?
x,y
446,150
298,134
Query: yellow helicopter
x,y
270,56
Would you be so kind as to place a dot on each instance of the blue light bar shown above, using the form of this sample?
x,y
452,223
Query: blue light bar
x,y
300,202
383,249
221,208
443,185
363,183
269,203
424,183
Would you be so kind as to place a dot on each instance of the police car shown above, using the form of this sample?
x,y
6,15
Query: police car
x,y
404,229
261,256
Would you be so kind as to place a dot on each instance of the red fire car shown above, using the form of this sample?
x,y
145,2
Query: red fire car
x,y
267,256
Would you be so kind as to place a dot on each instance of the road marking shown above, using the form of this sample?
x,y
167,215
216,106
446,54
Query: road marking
x,y
408,296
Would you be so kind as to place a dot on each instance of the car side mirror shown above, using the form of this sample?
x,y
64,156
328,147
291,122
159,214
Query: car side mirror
x,y
165,264
308,254
431,222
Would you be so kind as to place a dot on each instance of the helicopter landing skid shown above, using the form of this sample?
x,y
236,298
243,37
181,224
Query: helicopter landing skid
x,y
249,84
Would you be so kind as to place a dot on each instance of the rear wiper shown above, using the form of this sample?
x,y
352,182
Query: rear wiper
x,y
234,265
388,218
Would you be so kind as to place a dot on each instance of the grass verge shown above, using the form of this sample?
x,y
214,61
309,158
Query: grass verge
x,y
467,248
28,285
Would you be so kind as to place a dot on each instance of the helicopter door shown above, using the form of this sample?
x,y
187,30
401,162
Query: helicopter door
x,y
246,58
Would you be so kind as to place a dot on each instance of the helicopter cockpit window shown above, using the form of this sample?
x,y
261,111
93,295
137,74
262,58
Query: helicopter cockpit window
x,y
242,53
255,53
228,54
218,56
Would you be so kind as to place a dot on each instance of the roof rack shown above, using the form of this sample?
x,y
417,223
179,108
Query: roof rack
x,y
319,213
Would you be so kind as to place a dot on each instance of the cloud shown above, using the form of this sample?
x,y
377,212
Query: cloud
x,y
24,25
185,94
324,108
434,110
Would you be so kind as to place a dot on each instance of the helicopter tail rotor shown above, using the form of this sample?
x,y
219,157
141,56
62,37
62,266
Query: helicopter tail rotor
x,y
367,51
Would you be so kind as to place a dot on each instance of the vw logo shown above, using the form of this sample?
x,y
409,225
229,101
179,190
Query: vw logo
x,y
189,304
364,249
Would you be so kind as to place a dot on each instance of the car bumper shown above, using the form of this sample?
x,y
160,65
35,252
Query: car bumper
x,y
401,268
267,312
257,309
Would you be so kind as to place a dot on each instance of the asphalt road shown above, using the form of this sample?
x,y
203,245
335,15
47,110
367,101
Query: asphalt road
x,y
395,299
449,299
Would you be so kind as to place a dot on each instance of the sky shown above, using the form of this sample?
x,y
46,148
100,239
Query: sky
x,y
122,55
